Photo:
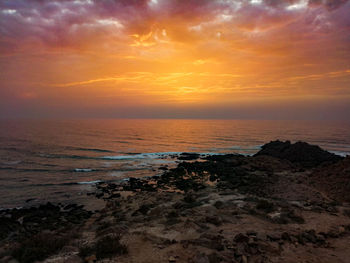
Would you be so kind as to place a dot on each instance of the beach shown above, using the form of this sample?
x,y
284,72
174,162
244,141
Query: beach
x,y
152,131
287,203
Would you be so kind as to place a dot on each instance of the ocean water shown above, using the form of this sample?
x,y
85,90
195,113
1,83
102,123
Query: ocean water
x,y
61,160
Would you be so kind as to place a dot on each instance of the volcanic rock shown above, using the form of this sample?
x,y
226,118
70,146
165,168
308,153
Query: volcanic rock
x,y
300,152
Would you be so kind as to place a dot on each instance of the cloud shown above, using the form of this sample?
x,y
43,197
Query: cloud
x,y
152,51
329,4
75,23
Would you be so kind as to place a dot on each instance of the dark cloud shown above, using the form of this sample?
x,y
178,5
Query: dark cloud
x,y
329,4
73,22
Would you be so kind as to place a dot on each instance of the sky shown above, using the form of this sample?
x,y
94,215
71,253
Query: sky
x,y
241,59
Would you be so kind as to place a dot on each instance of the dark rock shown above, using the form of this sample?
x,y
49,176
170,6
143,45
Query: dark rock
x,y
334,232
164,168
39,247
265,205
214,258
7,225
274,236
299,152
286,236
219,204
189,198
334,180
210,241
201,258
188,156
114,195
309,236
241,249
261,236
241,238
30,221
99,195
212,178
320,239
215,220
223,158
268,247
144,209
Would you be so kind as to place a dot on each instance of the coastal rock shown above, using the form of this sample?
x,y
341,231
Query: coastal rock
x,y
220,209
211,241
300,152
33,220
334,179
241,238
90,259
215,220
201,258
214,258
190,197
188,156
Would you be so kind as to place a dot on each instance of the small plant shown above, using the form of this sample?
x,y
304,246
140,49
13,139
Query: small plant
x,y
173,214
39,247
265,206
109,246
346,212
86,251
106,247
219,204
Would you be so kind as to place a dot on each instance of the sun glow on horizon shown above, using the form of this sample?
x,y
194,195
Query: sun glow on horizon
x,y
125,54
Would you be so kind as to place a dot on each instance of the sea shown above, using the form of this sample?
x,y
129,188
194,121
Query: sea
x,y
62,160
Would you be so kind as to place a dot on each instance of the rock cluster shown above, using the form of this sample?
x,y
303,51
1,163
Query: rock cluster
x,y
224,208
300,152
21,222
334,179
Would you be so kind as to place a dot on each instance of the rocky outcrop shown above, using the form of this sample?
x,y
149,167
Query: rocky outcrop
x,y
300,152
334,180
15,223
224,208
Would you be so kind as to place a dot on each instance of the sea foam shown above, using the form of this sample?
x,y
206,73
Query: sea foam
x,y
81,170
90,182
140,156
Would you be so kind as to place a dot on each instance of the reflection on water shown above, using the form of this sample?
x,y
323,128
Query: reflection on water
x,y
58,160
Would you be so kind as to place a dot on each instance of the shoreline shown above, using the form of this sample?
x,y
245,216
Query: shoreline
x,y
277,205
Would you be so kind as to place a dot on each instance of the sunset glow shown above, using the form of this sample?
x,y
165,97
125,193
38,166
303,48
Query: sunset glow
x,y
173,58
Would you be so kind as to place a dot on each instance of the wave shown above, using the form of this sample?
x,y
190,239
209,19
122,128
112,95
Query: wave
x,y
238,148
341,153
82,170
248,147
140,156
129,153
38,170
339,146
29,169
225,139
68,184
93,150
90,182
154,155
11,162
118,173
67,156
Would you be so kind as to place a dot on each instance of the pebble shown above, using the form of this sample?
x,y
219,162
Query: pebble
x,y
172,259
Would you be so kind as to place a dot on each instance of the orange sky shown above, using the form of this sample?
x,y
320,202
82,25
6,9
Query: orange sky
x,y
175,58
